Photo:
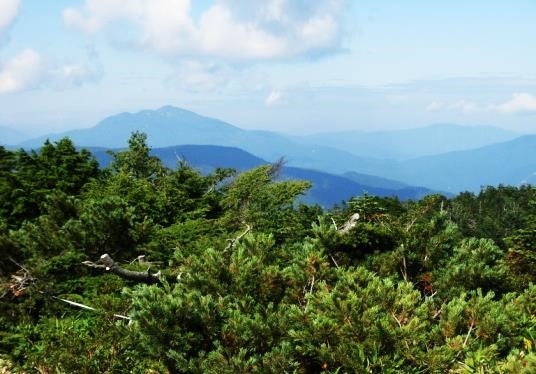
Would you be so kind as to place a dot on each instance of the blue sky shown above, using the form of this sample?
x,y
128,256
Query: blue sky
x,y
286,65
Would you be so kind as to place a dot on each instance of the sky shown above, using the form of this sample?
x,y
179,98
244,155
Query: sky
x,y
294,66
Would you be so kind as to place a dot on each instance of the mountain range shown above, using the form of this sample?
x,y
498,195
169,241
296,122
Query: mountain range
x,y
169,126
412,143
512,162
443,157
327,189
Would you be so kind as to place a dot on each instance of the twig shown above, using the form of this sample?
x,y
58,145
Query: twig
x,y
468,333
404,269
333,259
87,307
310,291
466,338
396,319
231,242
408,227
334,223
19,265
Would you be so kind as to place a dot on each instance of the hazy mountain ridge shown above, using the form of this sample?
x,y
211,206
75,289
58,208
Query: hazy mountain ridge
x,y
512,162
375,181
507,161
170,126
412,143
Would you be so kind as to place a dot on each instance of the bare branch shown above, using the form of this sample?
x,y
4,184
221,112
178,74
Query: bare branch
x,y
107,263
231,242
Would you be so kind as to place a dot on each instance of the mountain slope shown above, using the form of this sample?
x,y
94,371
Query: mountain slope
x,y
372,180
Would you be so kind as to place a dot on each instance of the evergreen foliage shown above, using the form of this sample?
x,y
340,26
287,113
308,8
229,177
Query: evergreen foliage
x,y
251,280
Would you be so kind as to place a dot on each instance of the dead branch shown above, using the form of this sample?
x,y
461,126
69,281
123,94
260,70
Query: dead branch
x,y
277,167
108,264
20,280
231,242
350,224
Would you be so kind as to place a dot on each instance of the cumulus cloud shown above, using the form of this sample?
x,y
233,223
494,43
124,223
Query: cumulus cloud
x,y
273,98
519,103
8,12
24,71
229,29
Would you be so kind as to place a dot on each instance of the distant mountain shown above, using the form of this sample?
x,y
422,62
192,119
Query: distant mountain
x,y
169,126
9,136
411,143
381,154
512,162
164,127
327,189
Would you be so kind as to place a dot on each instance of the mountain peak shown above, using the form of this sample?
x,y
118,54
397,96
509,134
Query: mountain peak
x,y
170,109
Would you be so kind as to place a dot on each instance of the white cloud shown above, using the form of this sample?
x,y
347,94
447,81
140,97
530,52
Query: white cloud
x,y
273,98
467,106
77,74
434,106
229,29
519,103
195,76
8,12
22,72
29,69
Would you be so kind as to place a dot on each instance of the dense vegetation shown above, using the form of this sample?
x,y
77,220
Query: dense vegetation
x,y
250,280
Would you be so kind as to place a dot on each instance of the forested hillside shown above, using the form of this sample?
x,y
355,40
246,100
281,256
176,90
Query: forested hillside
x,y
146,269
